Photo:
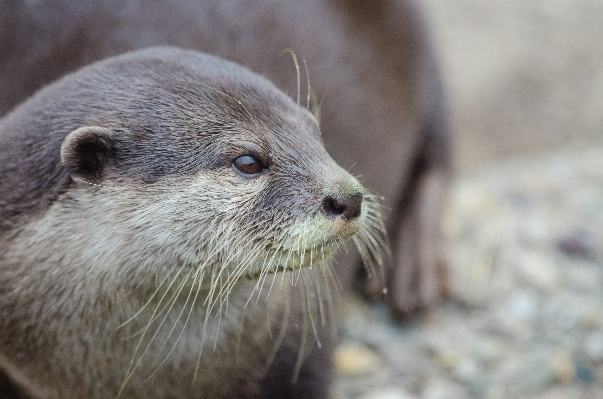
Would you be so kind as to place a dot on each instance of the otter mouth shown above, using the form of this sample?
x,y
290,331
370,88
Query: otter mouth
x,y
288,260
317,241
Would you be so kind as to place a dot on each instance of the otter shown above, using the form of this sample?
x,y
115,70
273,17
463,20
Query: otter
x,y
371,67
166,220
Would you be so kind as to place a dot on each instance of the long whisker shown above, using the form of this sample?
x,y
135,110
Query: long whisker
x,y
196,276
294,56
131,368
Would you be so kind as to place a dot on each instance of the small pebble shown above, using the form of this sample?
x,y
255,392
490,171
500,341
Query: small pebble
x,y
584,373
487,352
478,388
438,388
579,244
535,376
448,359
388,393
356,359
520,307
538,270
594,346
466,369
565,369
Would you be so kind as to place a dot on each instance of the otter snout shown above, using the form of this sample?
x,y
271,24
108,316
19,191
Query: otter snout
x,y
346,207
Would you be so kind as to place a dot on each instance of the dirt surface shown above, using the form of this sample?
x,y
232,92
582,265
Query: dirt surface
x,y
524,222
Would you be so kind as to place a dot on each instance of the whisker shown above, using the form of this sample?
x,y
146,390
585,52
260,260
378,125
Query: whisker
x,y
294,56
195,277
130,370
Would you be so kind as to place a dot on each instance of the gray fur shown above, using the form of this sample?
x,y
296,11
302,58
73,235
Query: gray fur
x,y
128,239
371,67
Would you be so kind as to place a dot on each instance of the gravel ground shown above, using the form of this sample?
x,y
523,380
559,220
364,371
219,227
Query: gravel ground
x,y
526,316
524,222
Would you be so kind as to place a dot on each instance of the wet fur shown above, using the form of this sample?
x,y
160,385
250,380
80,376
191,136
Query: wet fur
x,y
136,262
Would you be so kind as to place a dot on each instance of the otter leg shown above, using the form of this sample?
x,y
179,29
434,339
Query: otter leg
x,y
416,276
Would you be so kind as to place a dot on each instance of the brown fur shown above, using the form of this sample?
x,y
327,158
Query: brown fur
x,y
370,64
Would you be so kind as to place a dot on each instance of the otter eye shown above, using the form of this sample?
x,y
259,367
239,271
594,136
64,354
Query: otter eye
x,y
248,165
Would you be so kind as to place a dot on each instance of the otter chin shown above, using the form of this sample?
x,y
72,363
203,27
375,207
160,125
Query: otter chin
x,y
166,223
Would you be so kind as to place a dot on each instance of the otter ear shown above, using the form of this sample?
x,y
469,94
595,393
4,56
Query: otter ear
x,y
85,152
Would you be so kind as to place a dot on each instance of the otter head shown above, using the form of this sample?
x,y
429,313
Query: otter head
x,y
183,160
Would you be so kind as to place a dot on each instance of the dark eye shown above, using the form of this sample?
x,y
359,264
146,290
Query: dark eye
x,y
248,165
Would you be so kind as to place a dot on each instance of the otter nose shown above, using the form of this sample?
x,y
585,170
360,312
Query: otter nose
x,y
346,207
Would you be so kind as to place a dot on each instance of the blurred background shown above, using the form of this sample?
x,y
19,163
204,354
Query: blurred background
x,y
524,221
523,76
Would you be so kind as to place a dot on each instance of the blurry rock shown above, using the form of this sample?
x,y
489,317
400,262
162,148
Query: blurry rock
x,y
438,388
466,370
579,244
584,373
479,387
534,376
521,307
448,358
538,270
594,346
565,368
487,351
354,359
388,393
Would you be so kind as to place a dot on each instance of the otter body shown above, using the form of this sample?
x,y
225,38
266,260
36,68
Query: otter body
x,y
157,210
370,64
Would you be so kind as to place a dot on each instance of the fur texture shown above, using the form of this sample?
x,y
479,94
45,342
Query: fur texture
x,y
136,261
371,69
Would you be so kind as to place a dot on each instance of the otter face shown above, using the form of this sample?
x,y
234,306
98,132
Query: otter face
x,y
169,175
215,171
